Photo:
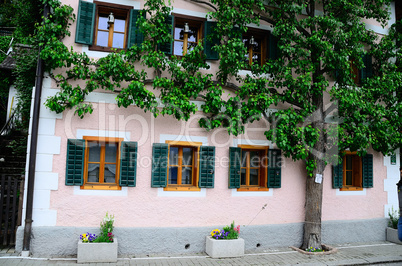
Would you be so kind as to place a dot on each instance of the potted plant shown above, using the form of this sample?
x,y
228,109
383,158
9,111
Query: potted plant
x,y
98,248
392,229
225,243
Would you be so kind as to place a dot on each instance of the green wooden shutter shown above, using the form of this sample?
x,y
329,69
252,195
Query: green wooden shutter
x,y
367,70
337,176
159,164
85,23
234,167
273,50
167,48
211,54
207,167
128,164
274,168
135,36
367,165
75,162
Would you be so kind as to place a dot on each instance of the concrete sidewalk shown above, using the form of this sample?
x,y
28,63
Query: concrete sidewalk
x,y
348,254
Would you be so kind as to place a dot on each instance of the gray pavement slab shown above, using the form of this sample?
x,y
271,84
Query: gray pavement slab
x,y
348,254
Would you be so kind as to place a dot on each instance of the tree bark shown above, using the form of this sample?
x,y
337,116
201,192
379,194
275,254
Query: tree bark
x,y
314,191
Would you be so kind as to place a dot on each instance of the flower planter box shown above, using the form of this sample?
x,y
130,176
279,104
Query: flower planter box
x,y
392,235
224,248
97,252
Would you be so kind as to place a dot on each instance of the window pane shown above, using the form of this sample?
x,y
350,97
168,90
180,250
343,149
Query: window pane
x,y
244,158
93,172
187,156
254,177
254,159
348,162
257,59
192,35
243,177
102,38
178,48
110,152
186,175
102,24
179,33
173,175
349,178
94,151
118,40
119,25
173,156
257,45
110,173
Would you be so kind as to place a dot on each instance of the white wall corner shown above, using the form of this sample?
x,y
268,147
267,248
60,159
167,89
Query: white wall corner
x,y
43,217
47,126
41,199
393,176
46,180
48,144
44,163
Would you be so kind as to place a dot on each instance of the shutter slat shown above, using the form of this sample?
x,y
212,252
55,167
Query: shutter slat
x,y
85,23
210,41
75,162
128,164
274,168
207,167
367,165
167,48
273,50
367,70
135,36
337,176
234,167
159,164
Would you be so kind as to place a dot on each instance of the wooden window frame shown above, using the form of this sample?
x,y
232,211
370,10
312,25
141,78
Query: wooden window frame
x,y
192,22
263,173
195,166
357,178
101,185
122,10
263,34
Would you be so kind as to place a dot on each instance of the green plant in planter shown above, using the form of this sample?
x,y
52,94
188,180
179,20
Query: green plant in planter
x,y
228,232
106,231
393,218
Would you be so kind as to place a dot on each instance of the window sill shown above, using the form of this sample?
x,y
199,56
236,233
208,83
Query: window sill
x,y
100,187
104,49
253,189
351,189
181,188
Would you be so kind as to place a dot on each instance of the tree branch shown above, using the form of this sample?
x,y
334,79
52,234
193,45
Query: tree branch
x,y
205,3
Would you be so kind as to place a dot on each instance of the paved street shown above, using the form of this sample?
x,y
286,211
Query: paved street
x,y
380,253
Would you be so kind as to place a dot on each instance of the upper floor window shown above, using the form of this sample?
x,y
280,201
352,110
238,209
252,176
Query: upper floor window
x,y
354,173
261,45
111,25
187,34
105,26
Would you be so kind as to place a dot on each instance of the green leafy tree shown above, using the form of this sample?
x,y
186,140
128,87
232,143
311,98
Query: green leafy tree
x,y
315,119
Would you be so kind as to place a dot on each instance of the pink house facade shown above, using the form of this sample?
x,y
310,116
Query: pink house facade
x,y
169,183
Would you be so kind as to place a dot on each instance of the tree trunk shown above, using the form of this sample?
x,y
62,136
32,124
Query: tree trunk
x,y
313,210
314,191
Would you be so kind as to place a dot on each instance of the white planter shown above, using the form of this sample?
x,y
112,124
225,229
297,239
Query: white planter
x,y
392,235
224,248
97,252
